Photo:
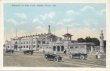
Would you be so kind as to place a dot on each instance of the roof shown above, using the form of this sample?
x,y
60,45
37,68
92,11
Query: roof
x,y
67,34
84,43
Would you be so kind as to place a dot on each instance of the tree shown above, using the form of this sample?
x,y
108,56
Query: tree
x,y
104,43
81,40
96,41
89,39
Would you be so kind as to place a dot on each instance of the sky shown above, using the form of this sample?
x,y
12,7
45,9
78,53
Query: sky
x,y
82,19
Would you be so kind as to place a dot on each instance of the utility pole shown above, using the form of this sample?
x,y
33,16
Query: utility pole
x,y
54,30
49,31
16,31
67,29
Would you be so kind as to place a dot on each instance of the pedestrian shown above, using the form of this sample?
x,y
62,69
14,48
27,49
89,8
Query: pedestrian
x,y
98,55
65,52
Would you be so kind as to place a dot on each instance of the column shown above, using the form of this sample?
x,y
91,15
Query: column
x,y
60,48
91,49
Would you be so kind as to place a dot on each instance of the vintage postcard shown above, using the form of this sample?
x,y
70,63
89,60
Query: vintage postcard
x,y
56,35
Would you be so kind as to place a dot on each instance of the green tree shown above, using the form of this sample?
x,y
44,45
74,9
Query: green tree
x,y
89,39
81,40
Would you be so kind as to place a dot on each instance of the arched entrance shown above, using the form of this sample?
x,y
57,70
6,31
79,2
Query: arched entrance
x,y
15,46
58,48
54,48
62,48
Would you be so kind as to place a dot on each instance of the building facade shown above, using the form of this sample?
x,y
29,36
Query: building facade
x,y
51,43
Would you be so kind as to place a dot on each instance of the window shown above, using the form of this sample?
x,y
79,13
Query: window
x,y
24,46
76,47
16,42
58,48
71,47
62,48
33,41
43,42
27,46
54,48
33,45
39,42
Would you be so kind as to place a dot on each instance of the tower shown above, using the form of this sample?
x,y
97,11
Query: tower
x,y
67,40
101,42
67,36
49,31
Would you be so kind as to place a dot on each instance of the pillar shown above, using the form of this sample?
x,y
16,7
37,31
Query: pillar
x,y
101,42
91,49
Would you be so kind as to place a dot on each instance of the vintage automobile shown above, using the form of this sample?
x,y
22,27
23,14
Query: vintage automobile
x,y
9,51
28,52
53,57
79,55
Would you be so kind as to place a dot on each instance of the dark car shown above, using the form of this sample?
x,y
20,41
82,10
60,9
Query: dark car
x,y
53,57
28,52
9,51
79,55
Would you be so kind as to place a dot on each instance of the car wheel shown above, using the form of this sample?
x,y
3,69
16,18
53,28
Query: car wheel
x,y
56,59
82,57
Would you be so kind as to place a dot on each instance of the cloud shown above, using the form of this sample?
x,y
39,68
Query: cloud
x,y
37,21
49,15
101,12
87,8
40,30
11,21
38,27
21,16
77,33
12,34
92,9
90,23
66,22
23,22
22,19
14,22
71,12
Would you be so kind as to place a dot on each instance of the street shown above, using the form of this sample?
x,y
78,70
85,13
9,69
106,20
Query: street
x,y
18,59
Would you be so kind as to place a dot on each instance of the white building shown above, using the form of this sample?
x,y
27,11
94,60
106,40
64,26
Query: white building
x,y
50,43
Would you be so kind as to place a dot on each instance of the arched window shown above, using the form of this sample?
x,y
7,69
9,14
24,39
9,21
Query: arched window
x,y
62,48
16,42
54,48
58,48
